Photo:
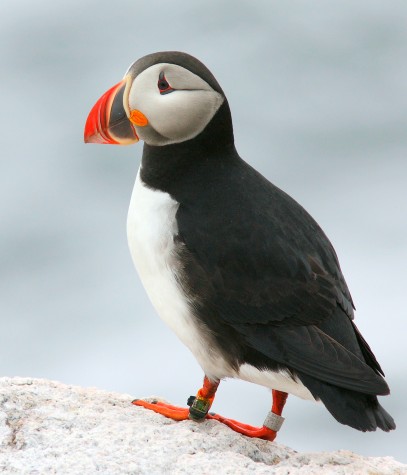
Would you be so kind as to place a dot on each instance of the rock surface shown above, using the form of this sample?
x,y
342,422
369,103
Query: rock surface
x,y
52,428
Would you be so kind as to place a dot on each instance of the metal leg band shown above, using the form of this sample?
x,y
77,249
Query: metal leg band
x,y
273,421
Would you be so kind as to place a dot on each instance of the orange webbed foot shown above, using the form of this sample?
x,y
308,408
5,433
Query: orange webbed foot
x,y
168,410
245,429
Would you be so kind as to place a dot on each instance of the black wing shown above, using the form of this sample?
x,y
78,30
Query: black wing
x,y
256,264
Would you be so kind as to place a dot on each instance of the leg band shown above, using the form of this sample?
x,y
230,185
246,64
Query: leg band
x,y
198,407
273,421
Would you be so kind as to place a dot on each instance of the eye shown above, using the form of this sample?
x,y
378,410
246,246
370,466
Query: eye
x,y
163,85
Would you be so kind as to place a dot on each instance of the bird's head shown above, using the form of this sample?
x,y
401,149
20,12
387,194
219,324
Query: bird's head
x,y
164,98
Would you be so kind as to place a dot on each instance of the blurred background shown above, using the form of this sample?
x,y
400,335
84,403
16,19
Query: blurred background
x,y
318,92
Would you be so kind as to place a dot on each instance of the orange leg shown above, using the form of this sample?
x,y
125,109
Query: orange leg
x,y
201,403
279,400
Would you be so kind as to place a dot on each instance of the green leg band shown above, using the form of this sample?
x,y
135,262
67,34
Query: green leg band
x,y
198,408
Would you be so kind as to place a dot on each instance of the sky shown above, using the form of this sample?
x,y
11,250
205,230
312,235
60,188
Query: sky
x,y
318,93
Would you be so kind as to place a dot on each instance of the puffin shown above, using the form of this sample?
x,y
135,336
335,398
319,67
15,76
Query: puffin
x,y
242,274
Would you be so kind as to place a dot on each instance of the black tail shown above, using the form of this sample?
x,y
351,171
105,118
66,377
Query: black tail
x,y
360,411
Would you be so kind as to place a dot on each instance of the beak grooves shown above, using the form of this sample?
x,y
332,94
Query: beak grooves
x,y
107,122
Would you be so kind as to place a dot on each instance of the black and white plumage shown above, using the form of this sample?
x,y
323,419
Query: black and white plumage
x,y
238,269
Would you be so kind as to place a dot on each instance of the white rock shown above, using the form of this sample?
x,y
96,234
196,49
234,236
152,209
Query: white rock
x,y
52,428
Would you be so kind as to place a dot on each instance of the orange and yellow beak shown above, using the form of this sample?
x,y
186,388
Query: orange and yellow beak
x,y
107,122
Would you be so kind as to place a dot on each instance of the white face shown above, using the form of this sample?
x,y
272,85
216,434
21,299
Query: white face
x,y
176,115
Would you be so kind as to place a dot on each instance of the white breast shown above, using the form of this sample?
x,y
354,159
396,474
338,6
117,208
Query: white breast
x,y
151,227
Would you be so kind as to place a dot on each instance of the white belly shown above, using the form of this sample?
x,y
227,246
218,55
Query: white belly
x,y
151,227
273,380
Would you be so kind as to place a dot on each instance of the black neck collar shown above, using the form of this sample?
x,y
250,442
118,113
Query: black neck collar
x,y
162,167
